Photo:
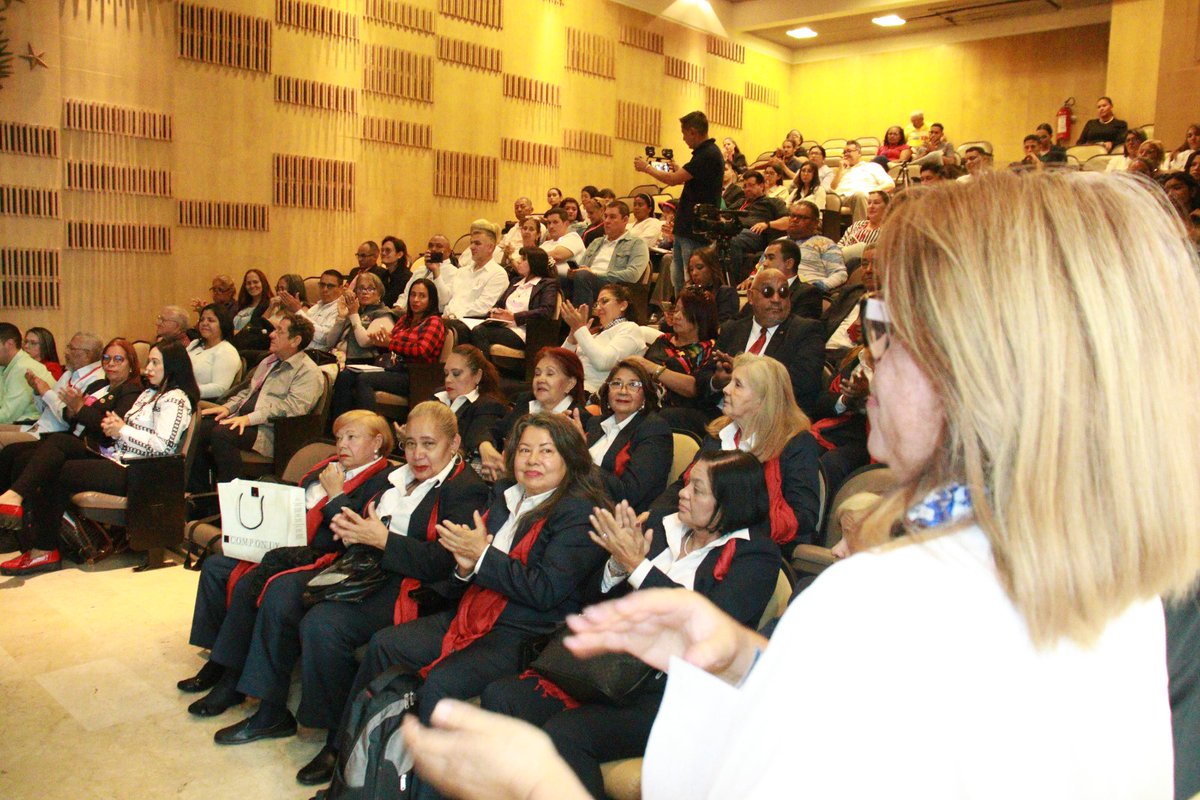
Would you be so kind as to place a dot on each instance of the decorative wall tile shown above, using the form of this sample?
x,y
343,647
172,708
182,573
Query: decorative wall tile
x,y
762,94
724,48
684,70
227,38
520,151
29,201
591,53
469,54
92,176
29,278
394,131
722,107
638,123
28,140
316,183
314,94
118,237
401,15
224,215
519,87
398,73
488,13
465,176
315,18
140,123
642,39
596,144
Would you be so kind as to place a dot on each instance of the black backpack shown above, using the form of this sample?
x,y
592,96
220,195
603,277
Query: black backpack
x,y
373,761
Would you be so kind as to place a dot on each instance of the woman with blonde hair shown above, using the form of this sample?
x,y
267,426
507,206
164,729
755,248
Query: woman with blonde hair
x,y
1016,631
761,418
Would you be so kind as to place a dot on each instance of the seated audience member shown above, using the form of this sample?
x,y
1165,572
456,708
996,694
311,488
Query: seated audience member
x,y
575,220
1134,137
1191,143
807,186
704,274
606,196
668,229
215,361
1153,153
1105,129
844,309
366,258
934,149
477,288
526,565
534,295
285,384
771,330
290,288
816,154
673,358
1048,151
393,271
734,158
855,179
1193,166
865,231
820,262
915,131
172,325
932,173
554,196
783,255
253,299
561,244
1141,166
893,148
615,258
1031,145
978,162
55,402
644,224
784,157
433,486
532,234
757,212
629,441
247,614
616,336
39,344
416,338
774,184
437,264
512,240
327,325
223,294
731,189
594,209
471,389
17,405
760,417
841,425
364,316
557,387
63,465
1184,192
716,542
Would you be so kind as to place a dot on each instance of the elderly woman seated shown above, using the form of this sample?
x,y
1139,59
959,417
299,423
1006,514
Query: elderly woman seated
x,y
616,336
365,316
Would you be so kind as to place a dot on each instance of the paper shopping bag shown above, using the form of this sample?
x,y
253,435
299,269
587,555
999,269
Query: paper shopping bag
x,y
257,517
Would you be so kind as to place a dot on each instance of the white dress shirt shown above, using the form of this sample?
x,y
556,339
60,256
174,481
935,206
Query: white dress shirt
x,y
680,568
397,504
444,398
864,177
315,492
476,290
52,420
444,283
559,408
327,327
518,506
611,428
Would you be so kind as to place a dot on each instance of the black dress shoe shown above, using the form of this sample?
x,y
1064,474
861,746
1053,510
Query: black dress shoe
x,y
320,769
244,733
209,706
203,680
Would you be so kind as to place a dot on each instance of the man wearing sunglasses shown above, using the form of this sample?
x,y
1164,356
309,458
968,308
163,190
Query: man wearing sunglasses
x,y
770,330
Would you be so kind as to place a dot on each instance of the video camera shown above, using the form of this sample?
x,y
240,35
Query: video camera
x,y
715,224
661,164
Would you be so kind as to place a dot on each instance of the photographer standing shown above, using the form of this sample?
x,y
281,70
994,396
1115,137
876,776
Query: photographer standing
x,y
701,179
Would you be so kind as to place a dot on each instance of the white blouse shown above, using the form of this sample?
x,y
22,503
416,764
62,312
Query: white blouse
x,y
215,367
397,505
154,426
680,568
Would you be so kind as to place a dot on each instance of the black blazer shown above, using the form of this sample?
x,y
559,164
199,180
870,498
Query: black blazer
x,y
651,450
543,301
476,420
118,402
799,474
806,301
798,343
498,435
413,556
356,501
744,591
843,303
552,583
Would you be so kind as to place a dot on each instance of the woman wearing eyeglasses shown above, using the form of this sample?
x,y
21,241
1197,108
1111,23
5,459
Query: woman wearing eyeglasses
x,y
616,337
673,358
367,315
629,441
215,361
39,344
1046,505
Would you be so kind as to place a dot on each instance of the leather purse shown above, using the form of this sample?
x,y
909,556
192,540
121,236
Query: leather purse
x,y
354,575
612,678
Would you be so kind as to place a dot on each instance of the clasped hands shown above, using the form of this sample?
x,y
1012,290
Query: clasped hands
x,y
619,532
350,527
221,415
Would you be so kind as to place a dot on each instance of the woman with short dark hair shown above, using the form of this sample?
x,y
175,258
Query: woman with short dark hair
x,y
533,295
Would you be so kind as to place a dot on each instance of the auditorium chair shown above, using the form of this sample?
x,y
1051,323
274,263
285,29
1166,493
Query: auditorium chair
x,y
142,349
312,288
812,559
424,380
1098,163
869,145
642,188
685,445
539,333
833,147
292,433
1082,152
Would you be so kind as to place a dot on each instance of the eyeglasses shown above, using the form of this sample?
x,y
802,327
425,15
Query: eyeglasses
x,y
877,329
769,291
616,386
325,285
164,320
112,359
366,289
362,255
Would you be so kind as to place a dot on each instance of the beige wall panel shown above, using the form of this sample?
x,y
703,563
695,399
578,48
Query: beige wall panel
x,y
1179,73
1134,49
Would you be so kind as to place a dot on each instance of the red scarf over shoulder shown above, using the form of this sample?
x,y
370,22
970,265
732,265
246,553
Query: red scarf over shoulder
x,y
406,607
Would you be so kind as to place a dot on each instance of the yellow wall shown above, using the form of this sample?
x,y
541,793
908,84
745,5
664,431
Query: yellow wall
x,y
996,90
1179,71
1133,61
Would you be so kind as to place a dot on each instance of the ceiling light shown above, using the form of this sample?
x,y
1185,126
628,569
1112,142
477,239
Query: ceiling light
x,y
802,33
890,21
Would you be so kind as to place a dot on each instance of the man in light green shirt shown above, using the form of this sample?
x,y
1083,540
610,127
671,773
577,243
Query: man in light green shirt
x,y
16,394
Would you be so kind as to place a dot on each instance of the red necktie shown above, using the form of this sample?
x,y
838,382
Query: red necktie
x,y
757,347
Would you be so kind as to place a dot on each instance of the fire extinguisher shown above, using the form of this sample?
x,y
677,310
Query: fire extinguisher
x,y
1062,125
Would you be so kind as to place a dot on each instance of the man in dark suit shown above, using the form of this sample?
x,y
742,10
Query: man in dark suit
x,y
771,330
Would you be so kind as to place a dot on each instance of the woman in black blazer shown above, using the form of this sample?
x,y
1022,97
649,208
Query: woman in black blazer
x,y
473,393
557,387
534,295
232,593
436,485
629,441
718,543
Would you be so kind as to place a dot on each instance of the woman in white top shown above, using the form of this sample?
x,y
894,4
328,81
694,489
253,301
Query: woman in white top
x,y
645,225
1191,143
215,361
615,339
1134,138
1047,509
807,186
773,177
534,295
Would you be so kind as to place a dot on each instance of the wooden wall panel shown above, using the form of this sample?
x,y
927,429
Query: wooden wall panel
x,y
638,123
520,151
315,94
470,55
762,94
398,132
400,15
519,87
722,107
637,36
139,123
724,48
683,70
29,279
465,176
316,18
28,140
596,144
29,201
92,176
395,72
314,183
118,237
487,13
590,53
226,38
224,215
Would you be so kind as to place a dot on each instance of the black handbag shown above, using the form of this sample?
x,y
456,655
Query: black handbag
x,y
281,559
613,678
353,576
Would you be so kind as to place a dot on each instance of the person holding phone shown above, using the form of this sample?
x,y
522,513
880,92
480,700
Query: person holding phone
x,y
437,264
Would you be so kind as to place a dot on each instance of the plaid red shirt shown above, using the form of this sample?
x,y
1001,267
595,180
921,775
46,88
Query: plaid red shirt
x,y
422,344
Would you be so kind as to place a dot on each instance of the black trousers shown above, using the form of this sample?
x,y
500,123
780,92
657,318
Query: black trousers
x,y
328,636
224,630
218,451
354,389
484,336
586,736
582,287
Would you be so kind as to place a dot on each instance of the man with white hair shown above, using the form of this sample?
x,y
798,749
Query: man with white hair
x,y
476,289
511,242
915,130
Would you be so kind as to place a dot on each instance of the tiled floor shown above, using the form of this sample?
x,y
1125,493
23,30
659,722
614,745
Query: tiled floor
x,y
88,704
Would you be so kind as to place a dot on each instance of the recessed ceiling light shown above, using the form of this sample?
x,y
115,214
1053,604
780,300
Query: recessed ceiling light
x,y
802,33
889,21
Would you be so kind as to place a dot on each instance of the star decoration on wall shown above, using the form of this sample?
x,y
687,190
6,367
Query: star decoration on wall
x,y
35,58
